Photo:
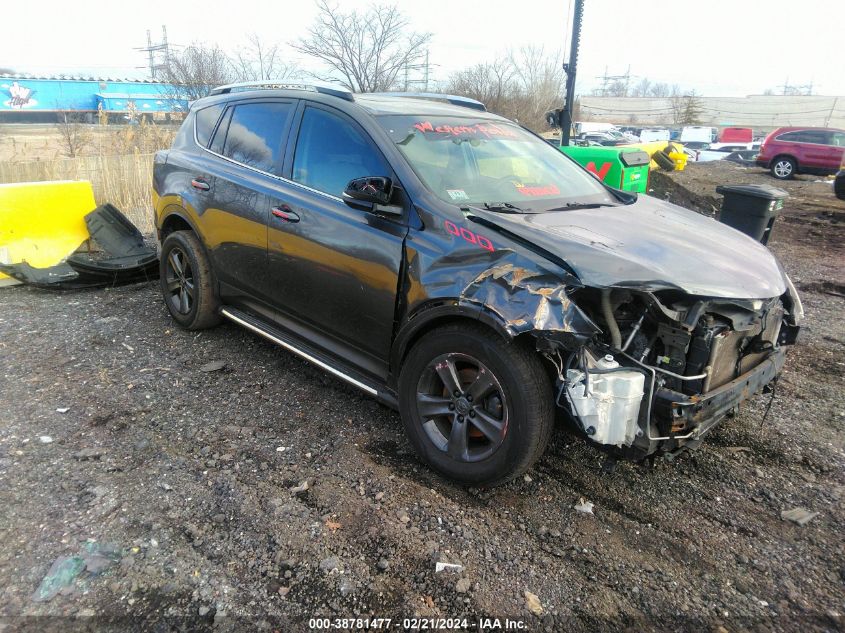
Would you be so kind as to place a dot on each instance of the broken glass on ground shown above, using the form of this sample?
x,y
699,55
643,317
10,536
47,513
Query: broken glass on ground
x,y
93,558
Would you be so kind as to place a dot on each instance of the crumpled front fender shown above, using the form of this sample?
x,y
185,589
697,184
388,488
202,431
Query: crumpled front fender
x,y
530,300
513,291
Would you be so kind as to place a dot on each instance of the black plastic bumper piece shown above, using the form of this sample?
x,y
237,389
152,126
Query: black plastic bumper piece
x,y
125,257
677,410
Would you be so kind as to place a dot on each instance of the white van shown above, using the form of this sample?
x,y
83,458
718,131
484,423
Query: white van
x,y
648,135
698,134
582,127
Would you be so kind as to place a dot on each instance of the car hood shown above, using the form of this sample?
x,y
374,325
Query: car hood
x,y
652,245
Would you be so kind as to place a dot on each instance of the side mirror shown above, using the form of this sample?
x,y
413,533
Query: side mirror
x,y
370,191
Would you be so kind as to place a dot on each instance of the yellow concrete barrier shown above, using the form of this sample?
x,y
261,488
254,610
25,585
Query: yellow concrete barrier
x,y
41,223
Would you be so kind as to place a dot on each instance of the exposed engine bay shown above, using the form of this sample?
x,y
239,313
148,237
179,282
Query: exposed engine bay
x,y
667,367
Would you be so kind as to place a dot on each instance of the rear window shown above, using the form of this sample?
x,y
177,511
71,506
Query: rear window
x,y
220,134
206,119
255,133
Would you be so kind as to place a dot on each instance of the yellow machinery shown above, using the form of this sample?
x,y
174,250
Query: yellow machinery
x,y
652,147
41,223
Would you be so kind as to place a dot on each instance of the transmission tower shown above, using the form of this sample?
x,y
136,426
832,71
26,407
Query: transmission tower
x,y
607,81
158,54
796,90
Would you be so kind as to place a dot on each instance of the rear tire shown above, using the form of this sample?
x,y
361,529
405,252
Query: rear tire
x,y
783,167
187,283
492,415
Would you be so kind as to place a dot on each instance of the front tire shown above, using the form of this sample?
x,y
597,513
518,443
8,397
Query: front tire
x,y
783,167
187,283
476,408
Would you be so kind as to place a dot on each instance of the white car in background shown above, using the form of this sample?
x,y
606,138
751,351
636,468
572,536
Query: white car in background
x,y
649,135
698,134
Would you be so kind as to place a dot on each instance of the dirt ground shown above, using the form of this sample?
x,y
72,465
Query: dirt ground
x,y
182,487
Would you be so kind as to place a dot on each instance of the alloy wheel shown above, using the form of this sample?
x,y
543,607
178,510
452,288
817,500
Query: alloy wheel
x,y
783,169
462,406
179,277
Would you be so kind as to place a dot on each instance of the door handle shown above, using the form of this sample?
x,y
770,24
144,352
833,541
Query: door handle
x,y
199,183
285,213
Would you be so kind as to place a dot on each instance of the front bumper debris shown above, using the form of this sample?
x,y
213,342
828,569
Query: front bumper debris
x,y
677,414
123,258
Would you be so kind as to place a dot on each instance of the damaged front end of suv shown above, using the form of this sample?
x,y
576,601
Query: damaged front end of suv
x,y
653,321
643,369
667,367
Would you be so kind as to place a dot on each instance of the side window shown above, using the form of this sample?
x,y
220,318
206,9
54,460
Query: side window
x,y
793,137
330,152
838,139
255,133
205,121
220,134
820,138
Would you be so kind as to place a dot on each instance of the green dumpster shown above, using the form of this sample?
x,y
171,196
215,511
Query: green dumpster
x,y
617,167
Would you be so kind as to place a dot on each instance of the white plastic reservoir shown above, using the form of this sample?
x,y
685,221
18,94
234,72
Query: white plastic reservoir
x,y
608,405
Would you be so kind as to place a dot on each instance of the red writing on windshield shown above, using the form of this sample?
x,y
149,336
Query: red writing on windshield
x,y
547,190
478,129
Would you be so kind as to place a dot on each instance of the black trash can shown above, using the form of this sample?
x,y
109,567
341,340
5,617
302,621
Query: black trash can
x,y
751,209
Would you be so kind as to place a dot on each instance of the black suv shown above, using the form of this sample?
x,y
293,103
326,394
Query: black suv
x,y
458,268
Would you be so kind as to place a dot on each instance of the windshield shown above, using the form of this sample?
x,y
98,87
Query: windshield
x,y
468,161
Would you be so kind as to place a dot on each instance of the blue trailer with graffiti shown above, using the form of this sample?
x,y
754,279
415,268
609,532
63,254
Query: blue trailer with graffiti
x,y
40,99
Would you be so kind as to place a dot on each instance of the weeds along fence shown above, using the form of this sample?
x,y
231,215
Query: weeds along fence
x,y
125,181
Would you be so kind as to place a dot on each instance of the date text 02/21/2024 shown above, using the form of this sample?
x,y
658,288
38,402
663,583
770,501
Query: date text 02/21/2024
x,y
418,624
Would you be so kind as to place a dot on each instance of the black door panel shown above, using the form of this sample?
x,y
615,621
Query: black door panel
x,y
252,135
336,268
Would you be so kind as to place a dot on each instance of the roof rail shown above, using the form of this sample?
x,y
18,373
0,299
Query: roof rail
x,y
436,96
335,91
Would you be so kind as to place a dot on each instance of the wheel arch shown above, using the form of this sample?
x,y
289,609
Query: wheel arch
x,y
431,317
176,220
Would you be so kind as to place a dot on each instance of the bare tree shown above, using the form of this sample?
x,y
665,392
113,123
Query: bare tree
x,y
686,108
616,88
541,83
74,136
490,83
642,89
693,109
523,84
663,90
259,61
364,50
196,70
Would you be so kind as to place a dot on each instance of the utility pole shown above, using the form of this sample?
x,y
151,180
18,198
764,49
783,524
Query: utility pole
x,y
426,70
571,68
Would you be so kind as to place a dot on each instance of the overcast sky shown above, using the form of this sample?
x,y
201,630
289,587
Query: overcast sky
x,y
718,47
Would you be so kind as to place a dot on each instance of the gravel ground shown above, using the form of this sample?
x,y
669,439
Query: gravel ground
x,y
264,493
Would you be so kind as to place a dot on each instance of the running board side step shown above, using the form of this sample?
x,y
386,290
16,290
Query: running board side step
x,y
282,339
